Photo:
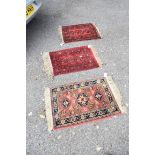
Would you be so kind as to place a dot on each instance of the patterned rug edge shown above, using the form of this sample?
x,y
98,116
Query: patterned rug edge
x,y
114,89
116,93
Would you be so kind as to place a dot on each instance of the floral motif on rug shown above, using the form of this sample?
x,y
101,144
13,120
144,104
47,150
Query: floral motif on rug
x,y
82,102
71,60
79,32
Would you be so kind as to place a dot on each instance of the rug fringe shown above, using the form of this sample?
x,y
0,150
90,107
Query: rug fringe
x,y
48,109
48,67
60,34
116,94
96,55
98,31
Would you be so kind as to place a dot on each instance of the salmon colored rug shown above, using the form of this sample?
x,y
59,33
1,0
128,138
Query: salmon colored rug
x,y
82,102
79,32
71,60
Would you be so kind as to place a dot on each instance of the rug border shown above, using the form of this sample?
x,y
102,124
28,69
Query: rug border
x,y
89,79
87,122
48,108
48,67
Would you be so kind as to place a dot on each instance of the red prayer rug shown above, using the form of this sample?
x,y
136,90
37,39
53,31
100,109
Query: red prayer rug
x,y
79,32
82,102
71,60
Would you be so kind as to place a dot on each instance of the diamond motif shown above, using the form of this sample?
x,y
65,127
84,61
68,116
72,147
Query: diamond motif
x,y
98,96
82,99
65,103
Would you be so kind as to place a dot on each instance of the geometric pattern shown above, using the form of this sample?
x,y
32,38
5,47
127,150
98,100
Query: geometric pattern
x,y
82,102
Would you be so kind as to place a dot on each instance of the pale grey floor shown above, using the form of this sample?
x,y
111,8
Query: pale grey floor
x,y
111,17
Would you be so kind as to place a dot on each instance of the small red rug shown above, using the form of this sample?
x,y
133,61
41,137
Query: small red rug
x,y
71,60
79,32
81,102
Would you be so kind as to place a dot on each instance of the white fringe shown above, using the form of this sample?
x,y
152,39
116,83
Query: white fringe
x,y
61,35
98,31
116,94
48,109
48,67
96,55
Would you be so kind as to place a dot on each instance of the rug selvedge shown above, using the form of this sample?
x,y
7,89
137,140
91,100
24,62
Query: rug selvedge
x,y
82,102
